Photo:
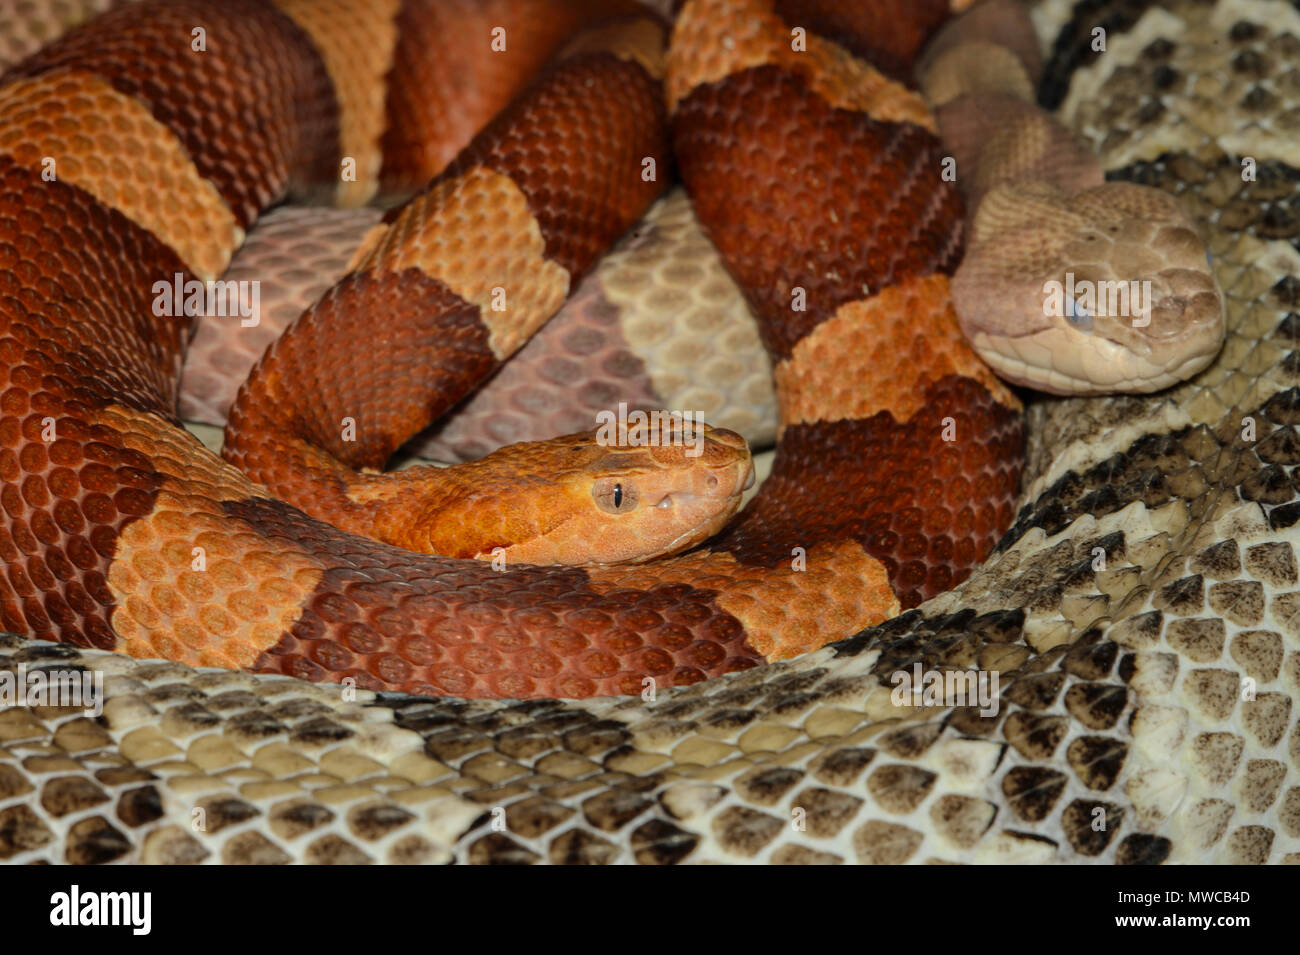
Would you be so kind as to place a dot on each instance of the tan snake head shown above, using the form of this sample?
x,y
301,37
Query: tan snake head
x,y
1107,290
580,499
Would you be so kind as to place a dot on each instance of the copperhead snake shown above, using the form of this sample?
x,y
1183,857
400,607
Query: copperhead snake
x,y
903,744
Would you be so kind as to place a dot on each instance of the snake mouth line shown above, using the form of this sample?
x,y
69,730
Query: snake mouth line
x,y
669,501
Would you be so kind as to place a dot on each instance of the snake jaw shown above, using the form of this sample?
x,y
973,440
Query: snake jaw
x,y
1064,361
1111,354
1114,294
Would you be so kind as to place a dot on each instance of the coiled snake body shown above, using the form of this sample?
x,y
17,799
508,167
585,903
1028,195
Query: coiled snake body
x,y
1120,672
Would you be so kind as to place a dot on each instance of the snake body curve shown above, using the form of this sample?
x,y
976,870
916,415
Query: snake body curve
x,y
659,323
1113,677
161,551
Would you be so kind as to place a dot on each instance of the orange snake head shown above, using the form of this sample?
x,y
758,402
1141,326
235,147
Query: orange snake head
x,y
580,500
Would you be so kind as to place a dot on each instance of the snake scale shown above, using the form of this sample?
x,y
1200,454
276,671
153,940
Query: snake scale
x,y
1148,573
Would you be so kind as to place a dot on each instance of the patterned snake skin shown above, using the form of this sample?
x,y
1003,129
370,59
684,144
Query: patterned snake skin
x,y
1141,616
658,324
293,555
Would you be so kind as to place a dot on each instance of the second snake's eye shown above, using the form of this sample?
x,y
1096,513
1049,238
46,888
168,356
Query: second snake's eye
x,y
1076,314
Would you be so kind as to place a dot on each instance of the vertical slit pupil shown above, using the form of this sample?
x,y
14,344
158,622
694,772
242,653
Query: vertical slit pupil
x,y
618,495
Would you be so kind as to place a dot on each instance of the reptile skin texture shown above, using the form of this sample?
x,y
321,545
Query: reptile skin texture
x,y
1149,568
659,323
126,534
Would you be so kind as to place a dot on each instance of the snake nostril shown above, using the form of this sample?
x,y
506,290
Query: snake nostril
x,y
1173,305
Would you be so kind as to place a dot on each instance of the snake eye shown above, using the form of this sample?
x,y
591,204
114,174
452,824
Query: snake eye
x,y
1077,315
614,496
